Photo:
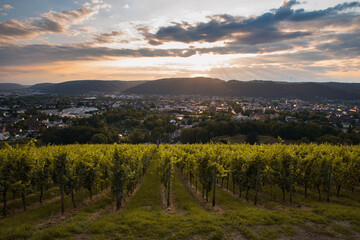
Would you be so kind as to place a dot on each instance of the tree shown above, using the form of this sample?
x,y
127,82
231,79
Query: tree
x,y
159,122
329,139
99,138
252,138
136,137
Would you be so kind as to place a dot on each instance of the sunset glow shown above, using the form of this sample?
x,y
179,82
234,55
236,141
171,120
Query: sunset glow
x,y
54,41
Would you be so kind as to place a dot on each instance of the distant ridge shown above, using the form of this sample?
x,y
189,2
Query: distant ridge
x,y
256,88
85,86
11,87
310,90
182,86
200,86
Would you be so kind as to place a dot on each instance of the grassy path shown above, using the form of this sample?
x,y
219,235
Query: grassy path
x,y
320,219
273,220
15,206
24,224
140,216
74,225
144,217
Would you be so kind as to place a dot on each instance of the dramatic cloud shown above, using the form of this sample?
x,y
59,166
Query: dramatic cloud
x,y
40,53
301,15
318,42
14,29
75,16
108,37
51,22
45,24
33,54
343,45
254,30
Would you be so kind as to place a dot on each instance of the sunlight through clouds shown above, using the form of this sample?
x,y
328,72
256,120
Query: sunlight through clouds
x,y
273,40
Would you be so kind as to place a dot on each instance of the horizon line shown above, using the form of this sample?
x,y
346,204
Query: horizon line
x,y
260,80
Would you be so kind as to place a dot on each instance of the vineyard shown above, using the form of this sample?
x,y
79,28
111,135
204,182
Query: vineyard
x,y
210,191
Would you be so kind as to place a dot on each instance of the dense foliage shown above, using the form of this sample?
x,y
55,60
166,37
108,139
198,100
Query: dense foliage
x,y
320,131
72,168
291,168
139,126
325,168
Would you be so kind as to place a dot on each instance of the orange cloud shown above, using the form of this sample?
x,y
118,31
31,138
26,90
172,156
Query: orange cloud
x,y
51,22
7,6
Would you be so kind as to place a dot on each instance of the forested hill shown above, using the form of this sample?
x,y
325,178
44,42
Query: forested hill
x,y
85,86
11,87
183,86
267,89
202,87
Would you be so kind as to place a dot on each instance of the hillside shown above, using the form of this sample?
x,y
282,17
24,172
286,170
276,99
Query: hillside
x,y
303,90
11,87
266,89
200,86
182,86
85,86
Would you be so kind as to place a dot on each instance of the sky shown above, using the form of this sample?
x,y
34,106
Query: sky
x,y
291,40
